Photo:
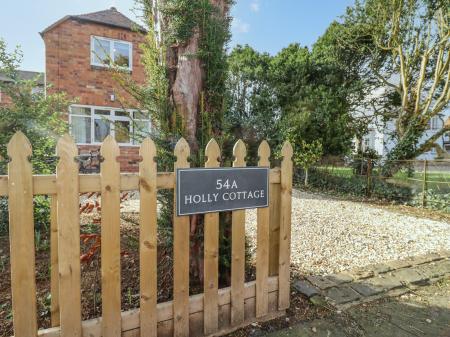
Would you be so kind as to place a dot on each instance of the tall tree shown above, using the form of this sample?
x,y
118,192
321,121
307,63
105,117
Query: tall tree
x,y
404,50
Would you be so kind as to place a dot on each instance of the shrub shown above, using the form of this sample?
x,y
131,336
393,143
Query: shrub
x,y
355,186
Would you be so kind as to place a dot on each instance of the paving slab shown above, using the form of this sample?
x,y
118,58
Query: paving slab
x,y
366,289
381,268
424,313
410,276
321,282
340,278
385,281
342,295
435,269
305,288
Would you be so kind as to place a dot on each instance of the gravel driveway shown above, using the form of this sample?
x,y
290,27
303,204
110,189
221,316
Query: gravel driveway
x,y
330,235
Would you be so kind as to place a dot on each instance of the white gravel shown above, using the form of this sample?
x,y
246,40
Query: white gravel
x,y
330,235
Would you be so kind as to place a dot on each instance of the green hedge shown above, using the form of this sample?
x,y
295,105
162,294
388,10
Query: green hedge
x,y
355,186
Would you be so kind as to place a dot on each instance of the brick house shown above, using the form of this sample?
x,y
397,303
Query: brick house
x,y
79,51
23,75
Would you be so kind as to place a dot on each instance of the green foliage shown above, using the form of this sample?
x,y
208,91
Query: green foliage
x,y
434,200
39,117
252,112
296,92
355,186
360,160
307,154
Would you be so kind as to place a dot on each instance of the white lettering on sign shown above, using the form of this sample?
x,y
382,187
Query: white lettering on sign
x,y
206,190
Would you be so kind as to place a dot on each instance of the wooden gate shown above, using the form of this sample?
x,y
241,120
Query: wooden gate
x,y
214,312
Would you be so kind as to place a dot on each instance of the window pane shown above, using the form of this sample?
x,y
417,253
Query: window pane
x,y
81,129
141,115
122,113
101,51
122,131
121,54
102,112
77,110
102,129
141,130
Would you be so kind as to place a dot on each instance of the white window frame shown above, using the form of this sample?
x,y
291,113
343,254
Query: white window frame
x,y
112,118
111,52
434,123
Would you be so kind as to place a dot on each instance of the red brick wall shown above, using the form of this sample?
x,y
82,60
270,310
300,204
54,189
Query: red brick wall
x,y
129,156
4,99
68,63
68,69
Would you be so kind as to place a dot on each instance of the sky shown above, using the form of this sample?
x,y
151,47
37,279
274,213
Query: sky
x,y
266,25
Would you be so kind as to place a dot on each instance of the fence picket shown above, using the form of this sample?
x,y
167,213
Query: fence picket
x,y
147,239
238,248
262,248
110,243
21,236
68,219
211,254
198,314
181,253
285,227
54,276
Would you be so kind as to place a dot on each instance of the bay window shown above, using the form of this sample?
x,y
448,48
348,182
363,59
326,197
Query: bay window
x,y
91,125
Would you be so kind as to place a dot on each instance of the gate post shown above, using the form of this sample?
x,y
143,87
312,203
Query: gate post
x,y
284,288
274,228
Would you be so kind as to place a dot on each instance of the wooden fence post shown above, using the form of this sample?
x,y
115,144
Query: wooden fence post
x,y
284,289
262,249
238,248
425,183
21,236
180,253
68,219
148,239
274,229
54,277
110,243
211,255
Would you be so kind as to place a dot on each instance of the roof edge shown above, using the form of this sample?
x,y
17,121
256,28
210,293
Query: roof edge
x,y
77,18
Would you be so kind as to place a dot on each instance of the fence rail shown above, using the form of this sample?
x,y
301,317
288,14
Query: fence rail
x,y
215,311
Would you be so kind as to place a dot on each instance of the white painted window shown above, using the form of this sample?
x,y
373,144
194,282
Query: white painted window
x,y
91,124
105,52
434,123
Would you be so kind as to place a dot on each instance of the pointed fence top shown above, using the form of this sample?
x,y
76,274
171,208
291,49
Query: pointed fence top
x,y
212,152
287,151
239,153
19,146
147,146
182,153
110,149
66,146
264,154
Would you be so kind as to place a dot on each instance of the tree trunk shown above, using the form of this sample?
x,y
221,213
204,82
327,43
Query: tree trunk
x,y
186,84
306,176
186,77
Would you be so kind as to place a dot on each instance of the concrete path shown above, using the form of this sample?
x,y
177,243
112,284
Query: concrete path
x,y
406,298
424,313
350,288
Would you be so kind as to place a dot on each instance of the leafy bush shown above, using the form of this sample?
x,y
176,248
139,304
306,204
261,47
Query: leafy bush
x,y
437,201
355,186
360,161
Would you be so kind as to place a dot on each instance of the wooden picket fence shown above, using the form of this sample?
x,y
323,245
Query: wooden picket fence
x,y
214,312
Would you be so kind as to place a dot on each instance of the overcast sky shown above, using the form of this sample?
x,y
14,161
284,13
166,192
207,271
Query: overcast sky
x,y
267,25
